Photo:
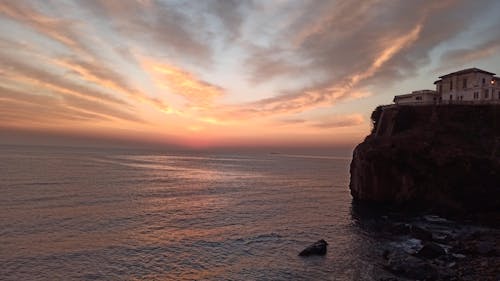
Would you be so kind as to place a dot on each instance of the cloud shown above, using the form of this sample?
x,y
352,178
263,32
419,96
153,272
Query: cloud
x,y
60,92
60,30
21,109
184,83
230,14
164,25
465,56
106,77
22,71
340,121
327,122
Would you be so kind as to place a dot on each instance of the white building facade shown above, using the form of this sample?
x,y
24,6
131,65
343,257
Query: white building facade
x,y
467,86
470,85
423,97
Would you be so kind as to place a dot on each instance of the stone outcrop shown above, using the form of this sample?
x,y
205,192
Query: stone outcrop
x,y
317,248
444,157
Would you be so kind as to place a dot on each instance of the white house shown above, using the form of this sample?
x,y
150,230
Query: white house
x,y
422,97
468,86
472,85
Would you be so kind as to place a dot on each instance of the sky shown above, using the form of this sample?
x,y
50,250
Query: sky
x,y
209,73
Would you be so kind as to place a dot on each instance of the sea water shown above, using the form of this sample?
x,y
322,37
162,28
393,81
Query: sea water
x,y
101,214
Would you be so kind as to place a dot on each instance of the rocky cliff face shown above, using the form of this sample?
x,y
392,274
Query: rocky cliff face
x,y
441,157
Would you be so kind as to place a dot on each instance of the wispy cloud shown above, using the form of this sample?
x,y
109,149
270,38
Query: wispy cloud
x,y
184,83
465,56
327,122
64,31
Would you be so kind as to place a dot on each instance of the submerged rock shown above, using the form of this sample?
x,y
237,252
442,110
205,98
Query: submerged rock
x,y
431,250
421,233
486,248
317,248
408,266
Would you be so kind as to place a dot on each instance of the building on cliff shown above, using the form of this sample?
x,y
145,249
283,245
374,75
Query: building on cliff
x,y
472,85
423,97
467,86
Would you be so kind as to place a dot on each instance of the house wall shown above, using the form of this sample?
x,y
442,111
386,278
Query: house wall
x,y
477,87
421,98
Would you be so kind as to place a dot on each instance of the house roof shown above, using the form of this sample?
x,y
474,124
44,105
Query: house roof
x,y
464,71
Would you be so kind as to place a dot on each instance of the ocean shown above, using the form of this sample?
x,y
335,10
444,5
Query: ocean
x,y
101,214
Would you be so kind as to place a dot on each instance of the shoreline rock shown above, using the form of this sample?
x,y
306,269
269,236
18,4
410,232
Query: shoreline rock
x,y
317,248
470,253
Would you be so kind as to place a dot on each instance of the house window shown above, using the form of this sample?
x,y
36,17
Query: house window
x,y
484,81
451,84
476,95
499,95
440,88
464,83
418,98
486,93
451,97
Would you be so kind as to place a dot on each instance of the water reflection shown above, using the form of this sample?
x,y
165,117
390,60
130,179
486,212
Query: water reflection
x,y
110,216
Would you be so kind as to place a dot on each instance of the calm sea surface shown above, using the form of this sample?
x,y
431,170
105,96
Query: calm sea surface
x,y
89,214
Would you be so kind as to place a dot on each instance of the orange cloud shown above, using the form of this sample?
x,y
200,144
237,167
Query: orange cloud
x,y
59,30
107,78
183,83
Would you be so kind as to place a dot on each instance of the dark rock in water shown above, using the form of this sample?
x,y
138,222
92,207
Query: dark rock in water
x,y
410,267
486,248
421,233
386,254
445,158
399,229
431,250
317,248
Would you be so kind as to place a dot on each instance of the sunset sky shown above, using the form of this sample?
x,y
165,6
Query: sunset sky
x,y
227,73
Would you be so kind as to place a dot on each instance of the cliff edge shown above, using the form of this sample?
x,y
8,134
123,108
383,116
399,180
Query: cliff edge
x,y
444,157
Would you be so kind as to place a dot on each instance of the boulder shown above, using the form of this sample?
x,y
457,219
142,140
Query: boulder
x,y
411,267
317,248
421,233
486,248
431,250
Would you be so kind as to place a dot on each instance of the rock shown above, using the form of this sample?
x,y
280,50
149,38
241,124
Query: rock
x,y
458,256
431,250
434,218
485,248
410,246
386,254
441,237
442,158
421,233
317,248
408,266
399,229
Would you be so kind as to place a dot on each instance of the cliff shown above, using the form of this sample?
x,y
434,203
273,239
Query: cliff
x,y
443,158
